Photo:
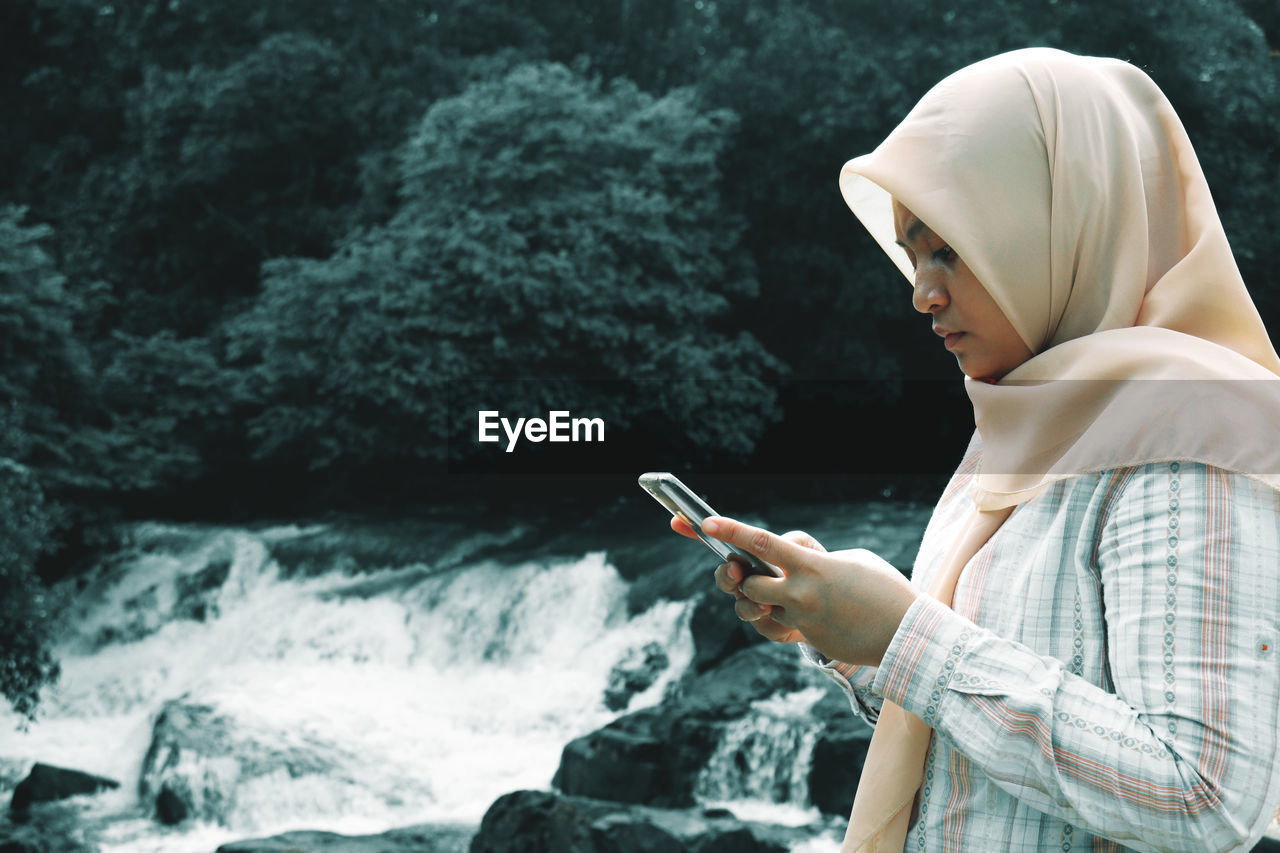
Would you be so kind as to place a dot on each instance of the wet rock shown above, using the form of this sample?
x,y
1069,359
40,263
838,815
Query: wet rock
x,y
717,631
658,756
547,822
188,769
114,604
197,593
754,673
635,673
425,838
198,758
838,756
654,756
46,783
626,761
173,803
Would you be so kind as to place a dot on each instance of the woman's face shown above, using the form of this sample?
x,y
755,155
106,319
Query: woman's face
x,y
973,327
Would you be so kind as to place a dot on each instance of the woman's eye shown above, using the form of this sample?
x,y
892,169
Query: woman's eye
x,y
946,253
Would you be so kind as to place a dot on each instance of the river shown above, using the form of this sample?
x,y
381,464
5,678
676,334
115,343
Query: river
x,y
399,684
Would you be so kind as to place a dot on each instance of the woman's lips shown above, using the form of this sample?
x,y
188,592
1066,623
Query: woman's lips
x,y
950,340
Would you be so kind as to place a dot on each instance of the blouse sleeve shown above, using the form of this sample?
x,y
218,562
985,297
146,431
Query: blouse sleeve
x,y
1183,755
855,681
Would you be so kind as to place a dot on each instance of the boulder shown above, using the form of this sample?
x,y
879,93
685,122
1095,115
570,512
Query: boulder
x,y
199,757
425,838
548,822
46,783
838,756
654,756
754,673
717,631
636,672
197,593
189,769
626,761
112,608
173,802
836,769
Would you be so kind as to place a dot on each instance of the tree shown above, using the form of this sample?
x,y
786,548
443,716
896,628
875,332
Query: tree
x,y
553,227
1266,15
809,96
26,618
47,369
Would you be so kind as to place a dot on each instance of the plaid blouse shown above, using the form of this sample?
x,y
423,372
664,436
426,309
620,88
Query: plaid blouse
x,y
1109,678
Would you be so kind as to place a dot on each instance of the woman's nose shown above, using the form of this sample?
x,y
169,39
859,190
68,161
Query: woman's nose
x,y
929,293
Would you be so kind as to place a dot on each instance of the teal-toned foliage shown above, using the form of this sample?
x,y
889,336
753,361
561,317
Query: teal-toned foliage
x,y
26,618
552,226
46,368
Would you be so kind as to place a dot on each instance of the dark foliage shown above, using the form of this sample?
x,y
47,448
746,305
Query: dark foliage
x,y
26,618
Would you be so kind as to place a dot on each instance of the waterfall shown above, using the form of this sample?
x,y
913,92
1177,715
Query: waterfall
x,y
330,700
760,769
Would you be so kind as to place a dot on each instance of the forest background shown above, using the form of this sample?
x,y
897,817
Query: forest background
x,y
270,259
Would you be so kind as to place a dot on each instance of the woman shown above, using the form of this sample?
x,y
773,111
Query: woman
x,y
1085,657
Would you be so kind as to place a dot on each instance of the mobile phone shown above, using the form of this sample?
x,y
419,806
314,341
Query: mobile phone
x,y
681,502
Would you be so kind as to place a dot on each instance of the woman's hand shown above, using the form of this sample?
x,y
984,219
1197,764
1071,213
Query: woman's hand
x,y
729,578
848,604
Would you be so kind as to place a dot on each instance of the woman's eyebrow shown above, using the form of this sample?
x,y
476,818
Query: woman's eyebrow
x,y
913,231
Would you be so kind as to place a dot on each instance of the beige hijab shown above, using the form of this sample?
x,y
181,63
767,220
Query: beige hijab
x,y
1070,188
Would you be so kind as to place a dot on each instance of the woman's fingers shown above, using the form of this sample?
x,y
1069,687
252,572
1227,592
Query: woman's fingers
x,y
728,576
783,553
765,589
749,611
679,525
773,630
731,575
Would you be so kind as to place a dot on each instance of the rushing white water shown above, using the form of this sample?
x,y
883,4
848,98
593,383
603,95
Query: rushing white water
x,y
395,697
760,770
